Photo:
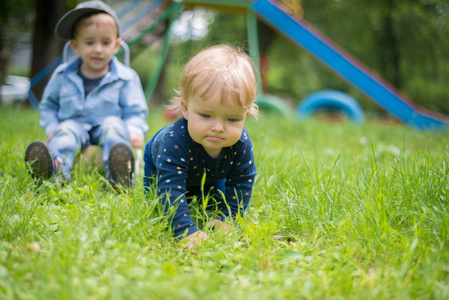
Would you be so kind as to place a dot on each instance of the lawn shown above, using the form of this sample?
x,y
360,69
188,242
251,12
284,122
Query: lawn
x,y
339,211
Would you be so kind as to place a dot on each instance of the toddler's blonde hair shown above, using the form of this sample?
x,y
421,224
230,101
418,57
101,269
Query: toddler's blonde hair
x,y
219,71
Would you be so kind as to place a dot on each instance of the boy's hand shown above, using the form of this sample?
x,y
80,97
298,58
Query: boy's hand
x,y
194,239
49,136
136,140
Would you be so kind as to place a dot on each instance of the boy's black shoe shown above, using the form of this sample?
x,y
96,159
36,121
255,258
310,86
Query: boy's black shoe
x,y
40,160
121,166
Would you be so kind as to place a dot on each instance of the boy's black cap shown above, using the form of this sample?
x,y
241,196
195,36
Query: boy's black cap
x,y
64,27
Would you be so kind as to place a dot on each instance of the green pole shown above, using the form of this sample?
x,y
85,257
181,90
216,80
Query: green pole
x,y
253,45
162,57
154,77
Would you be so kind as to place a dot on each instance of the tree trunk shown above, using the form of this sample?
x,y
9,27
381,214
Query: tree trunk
x,y
389,51
46,46
5,52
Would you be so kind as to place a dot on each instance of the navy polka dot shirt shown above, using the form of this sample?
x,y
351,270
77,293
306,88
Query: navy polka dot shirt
x,y
178,164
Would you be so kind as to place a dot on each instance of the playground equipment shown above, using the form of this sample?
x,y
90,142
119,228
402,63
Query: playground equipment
x,y
348,68
306,37
273,103
333,100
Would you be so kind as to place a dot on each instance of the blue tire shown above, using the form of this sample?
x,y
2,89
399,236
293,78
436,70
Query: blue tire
x,y
330,100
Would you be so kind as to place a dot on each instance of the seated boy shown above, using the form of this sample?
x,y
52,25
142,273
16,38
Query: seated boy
x,y
91,100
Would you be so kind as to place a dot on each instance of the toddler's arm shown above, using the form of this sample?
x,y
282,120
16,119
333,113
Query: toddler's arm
x,y
171,165
240,181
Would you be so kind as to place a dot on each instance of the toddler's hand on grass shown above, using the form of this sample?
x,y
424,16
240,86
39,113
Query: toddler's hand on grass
x,y
194,239
136,141
219,225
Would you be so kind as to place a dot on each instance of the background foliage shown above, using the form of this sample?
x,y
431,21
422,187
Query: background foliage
x,y
405,42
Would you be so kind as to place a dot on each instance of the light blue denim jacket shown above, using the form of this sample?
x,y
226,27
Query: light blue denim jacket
x,y
118,94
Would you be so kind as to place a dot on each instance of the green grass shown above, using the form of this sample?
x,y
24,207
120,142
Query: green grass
x,y
339,211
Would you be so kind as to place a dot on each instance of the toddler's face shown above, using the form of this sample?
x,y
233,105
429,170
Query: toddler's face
x,y
213,124
96,43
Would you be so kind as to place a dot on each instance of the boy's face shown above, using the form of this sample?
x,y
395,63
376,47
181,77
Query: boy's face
x,y
213,124
96,43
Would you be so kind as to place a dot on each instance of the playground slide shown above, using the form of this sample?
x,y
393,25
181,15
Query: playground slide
x,y
348,68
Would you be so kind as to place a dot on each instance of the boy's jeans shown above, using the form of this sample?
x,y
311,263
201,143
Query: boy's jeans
x,y
70,137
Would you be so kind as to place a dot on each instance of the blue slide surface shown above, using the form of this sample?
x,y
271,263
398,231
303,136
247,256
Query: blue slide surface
x,y
348,68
